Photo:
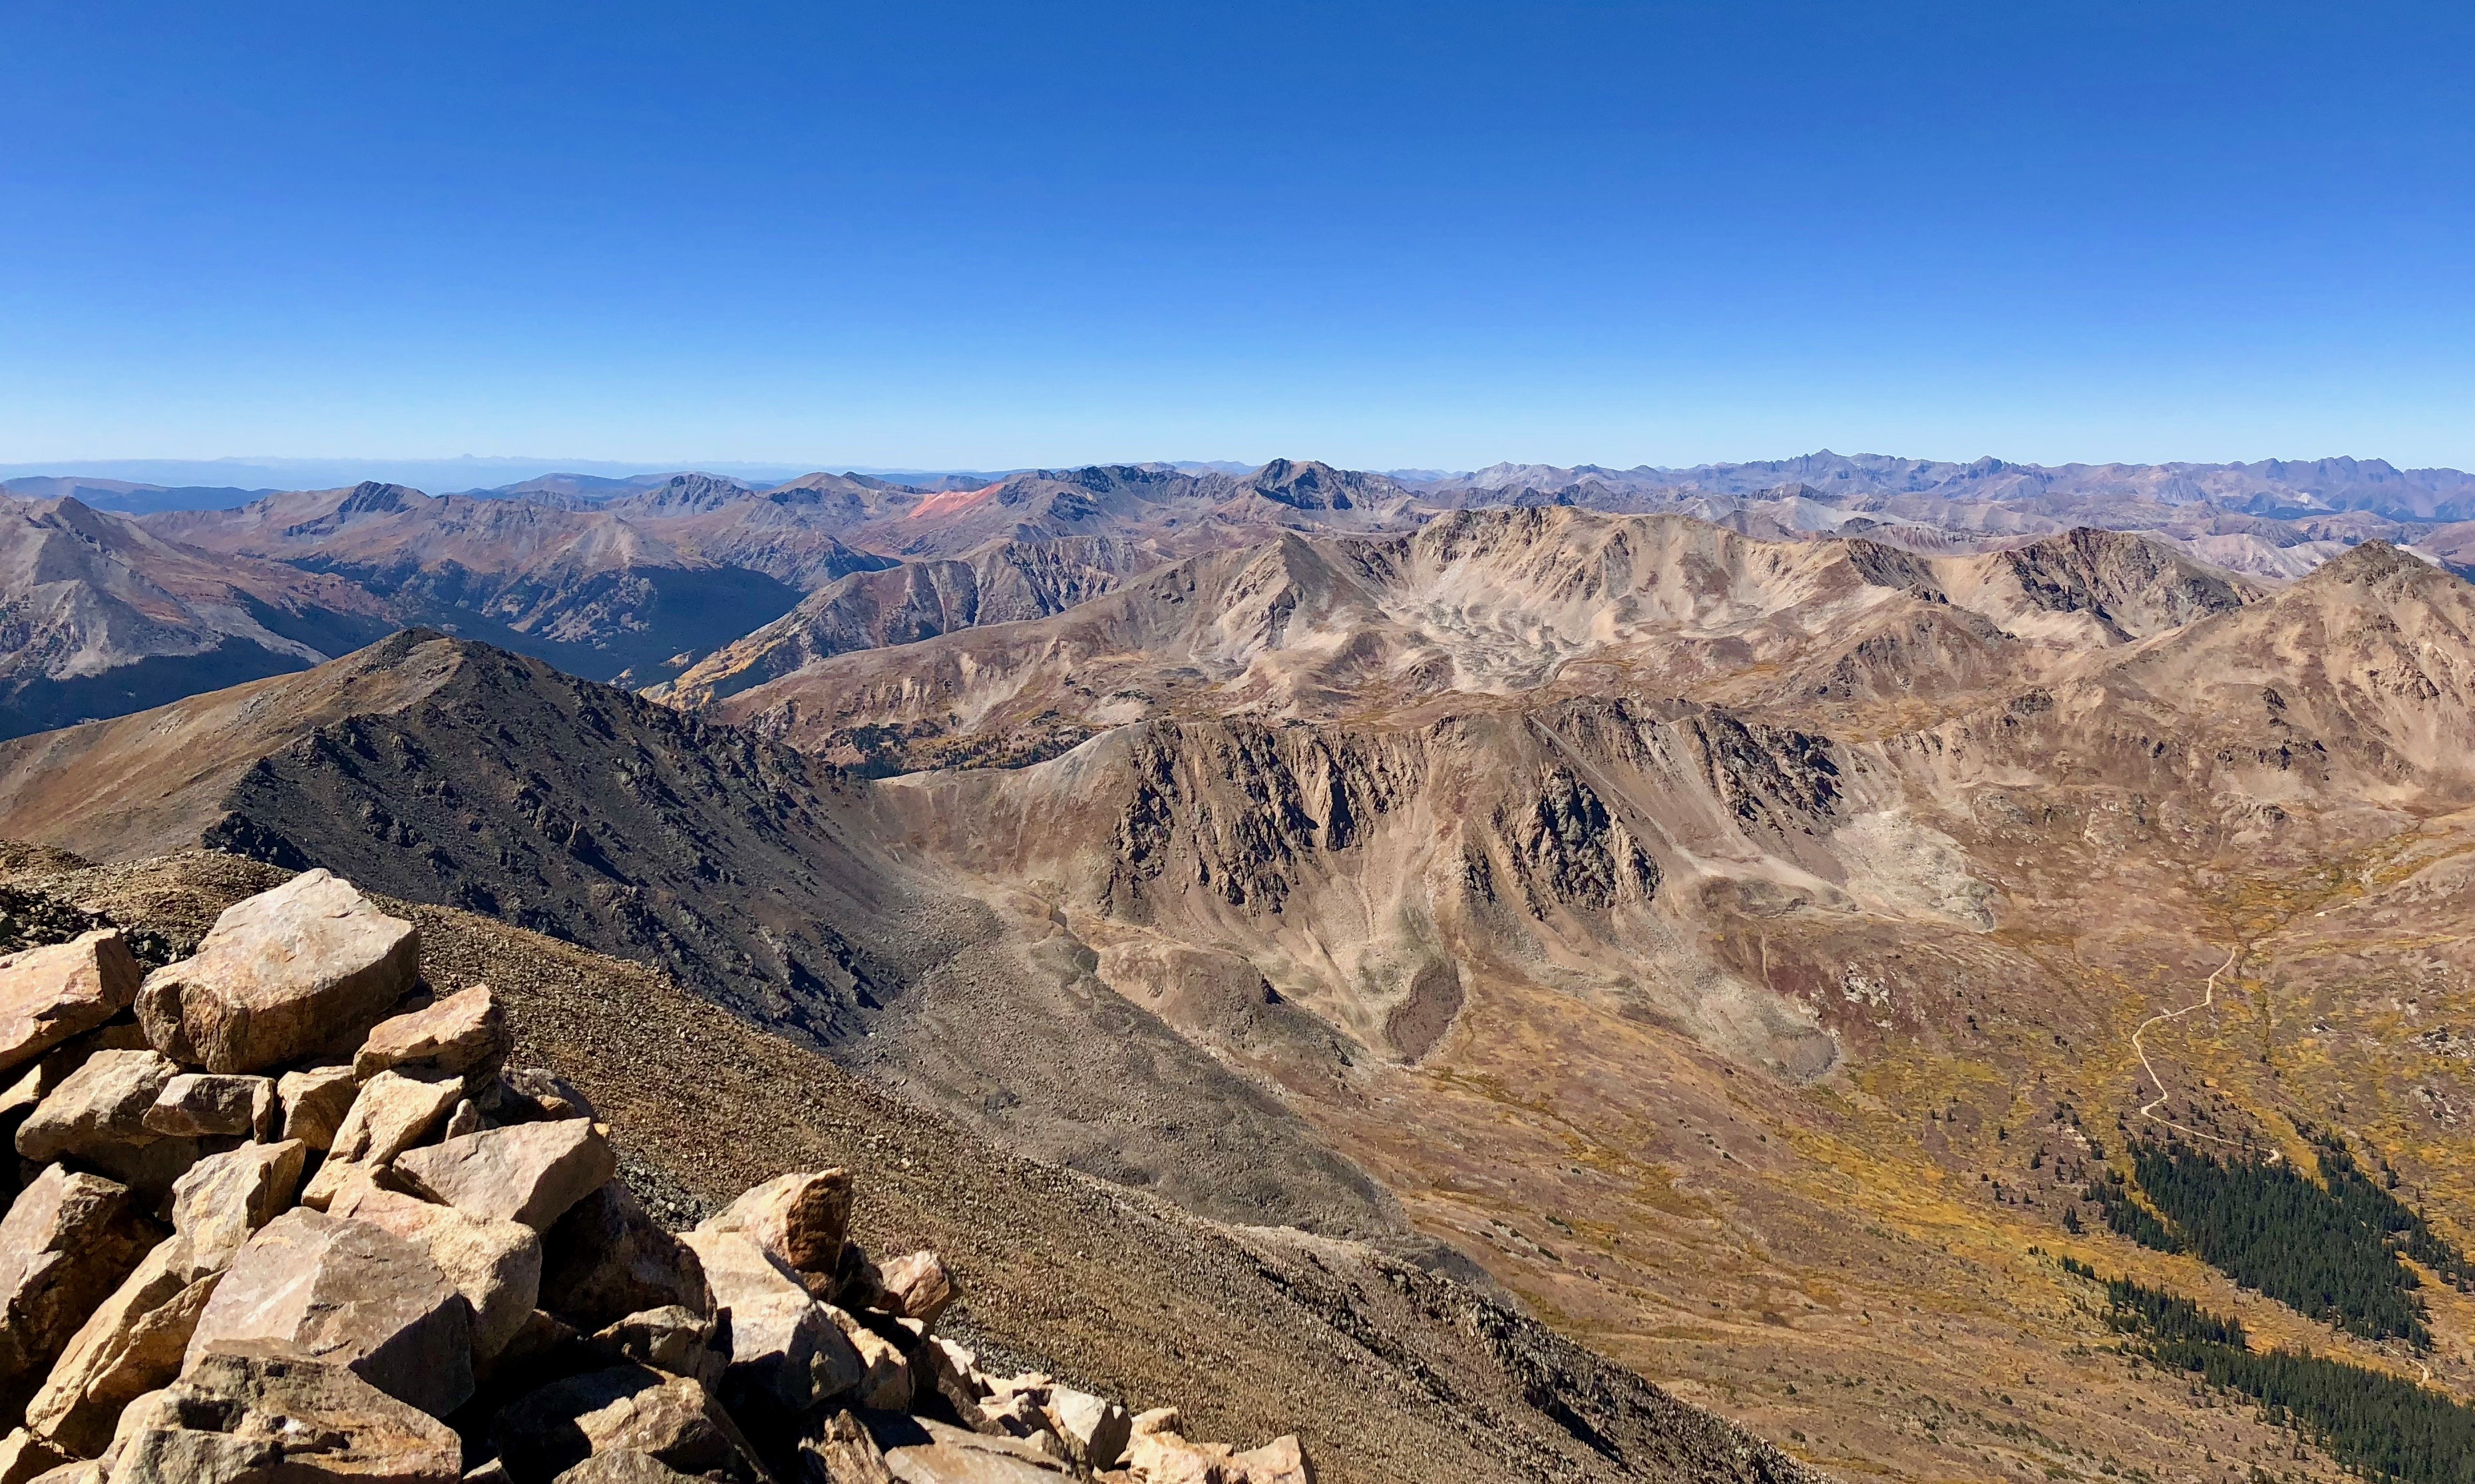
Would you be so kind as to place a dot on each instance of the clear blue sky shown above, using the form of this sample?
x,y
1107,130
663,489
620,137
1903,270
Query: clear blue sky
x,y
1436,235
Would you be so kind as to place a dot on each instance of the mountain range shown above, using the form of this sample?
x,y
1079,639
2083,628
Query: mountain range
x,y
1802,931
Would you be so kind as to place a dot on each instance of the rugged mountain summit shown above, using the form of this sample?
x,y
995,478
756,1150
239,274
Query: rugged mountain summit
x,y
1507,602
102,616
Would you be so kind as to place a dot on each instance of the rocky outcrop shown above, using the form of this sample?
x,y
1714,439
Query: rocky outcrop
x,y
281,974
439,1300
51,993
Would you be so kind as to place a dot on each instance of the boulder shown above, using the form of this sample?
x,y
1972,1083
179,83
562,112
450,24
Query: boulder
x,y
802,1219
921,1451
66,1243
224,1199
1281,1461
606,1259
101,1104
279,975
207,1104
885,1379
786,1351
466,1119
262,1419
630,1408
320,1287
392,1113
23,1456
494,1264
463,1035
51,993
315,1102
134,1343
625,1466
532,1094
918,1287
529,1173
1093,1428
840,1450
672,1339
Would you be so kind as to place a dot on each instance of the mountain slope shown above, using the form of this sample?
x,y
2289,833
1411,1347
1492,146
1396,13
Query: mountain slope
x,y
448,773
103,617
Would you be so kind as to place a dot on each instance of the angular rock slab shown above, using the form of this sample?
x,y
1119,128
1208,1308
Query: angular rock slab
x,y
917,1286
288,1418
66,1243
1094,1429
134,1343
606,1259
494,1264
786,1351
101,1104
801,1218
326,1288
921,1451
51,993
315,1103
211,1104
23,1456
630,1408
464,1034
529,1173
391,1113
282,975
625,1467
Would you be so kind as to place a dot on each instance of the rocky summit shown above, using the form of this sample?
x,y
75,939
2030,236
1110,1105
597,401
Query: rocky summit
x,y
289,1212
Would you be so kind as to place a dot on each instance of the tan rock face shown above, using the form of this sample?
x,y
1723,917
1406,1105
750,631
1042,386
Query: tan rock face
x,y
950,1455
632,1408
802,1219
624,1467
917,1286
1093,1428
670,1339
329,1289
100,1105
287,1418
606,1259
226,1198
23,1456
842,1450
315,1101
199,1105
494,1264
132,1344
51,993
136,1340
464,1034
391,1113
531,1173
281,976
786,1350
885,1379
66,1244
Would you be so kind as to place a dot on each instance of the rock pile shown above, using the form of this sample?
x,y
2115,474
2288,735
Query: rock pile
x,y
283,1214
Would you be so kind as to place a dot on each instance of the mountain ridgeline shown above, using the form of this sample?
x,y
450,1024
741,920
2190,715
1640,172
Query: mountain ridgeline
x,y
1784,937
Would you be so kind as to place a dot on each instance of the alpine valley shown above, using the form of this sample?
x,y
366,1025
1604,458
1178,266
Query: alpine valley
x,y
1959,970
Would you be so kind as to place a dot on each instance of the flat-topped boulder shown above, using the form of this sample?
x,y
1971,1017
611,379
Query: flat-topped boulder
x,y
802,1219
464,1034
496,1265
327,1288
51,993
286,1417
529,1173
282,975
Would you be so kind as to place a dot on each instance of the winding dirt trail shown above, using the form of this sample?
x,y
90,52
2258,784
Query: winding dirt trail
x,y
2149,1110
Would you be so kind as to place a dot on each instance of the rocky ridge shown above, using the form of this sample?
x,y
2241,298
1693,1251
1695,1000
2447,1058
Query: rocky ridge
x,y
342,1239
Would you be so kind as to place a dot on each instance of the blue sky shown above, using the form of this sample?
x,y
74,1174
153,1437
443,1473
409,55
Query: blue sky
x,y
959,235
